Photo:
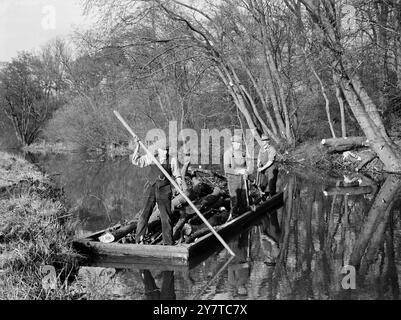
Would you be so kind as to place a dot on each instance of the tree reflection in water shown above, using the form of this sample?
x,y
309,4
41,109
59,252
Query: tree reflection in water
x,y
153,292
321,234
298,251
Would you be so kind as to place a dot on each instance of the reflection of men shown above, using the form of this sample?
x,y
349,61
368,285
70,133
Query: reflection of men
x,y
267,168
239,270
270,237
152,292
157,190
237,168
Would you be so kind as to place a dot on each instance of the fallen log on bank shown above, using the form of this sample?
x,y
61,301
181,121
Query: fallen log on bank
x,y
338,145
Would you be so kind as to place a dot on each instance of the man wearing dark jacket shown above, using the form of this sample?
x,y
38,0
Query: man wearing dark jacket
x,y
157,190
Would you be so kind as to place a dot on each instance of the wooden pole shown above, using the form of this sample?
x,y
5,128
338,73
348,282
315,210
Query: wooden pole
x,y
174,183
245,177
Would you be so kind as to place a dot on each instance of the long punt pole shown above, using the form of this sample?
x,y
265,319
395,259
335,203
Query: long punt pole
x,y
125,124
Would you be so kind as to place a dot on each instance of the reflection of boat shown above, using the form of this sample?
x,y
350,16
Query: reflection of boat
x,y
120,255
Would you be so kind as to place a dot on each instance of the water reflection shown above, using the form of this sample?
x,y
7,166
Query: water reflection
x,y
152,291
100,192
295,252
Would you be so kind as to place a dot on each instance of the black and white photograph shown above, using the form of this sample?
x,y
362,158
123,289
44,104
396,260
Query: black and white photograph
x,y
209,154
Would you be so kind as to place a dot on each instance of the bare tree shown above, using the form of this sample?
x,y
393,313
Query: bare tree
x,y
324,15
29,94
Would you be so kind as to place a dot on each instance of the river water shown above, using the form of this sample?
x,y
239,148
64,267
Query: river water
x,y
296,252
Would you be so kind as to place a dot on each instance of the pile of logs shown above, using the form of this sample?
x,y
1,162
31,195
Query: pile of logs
x,y
345,145
207,190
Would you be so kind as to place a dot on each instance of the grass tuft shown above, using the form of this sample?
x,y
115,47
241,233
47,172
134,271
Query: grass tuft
x,y
32,235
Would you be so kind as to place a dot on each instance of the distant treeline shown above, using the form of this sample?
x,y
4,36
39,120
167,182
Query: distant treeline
x,y
294,70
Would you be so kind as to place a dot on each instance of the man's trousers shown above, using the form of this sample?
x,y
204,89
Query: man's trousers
x,y
267,180
238,198
161,194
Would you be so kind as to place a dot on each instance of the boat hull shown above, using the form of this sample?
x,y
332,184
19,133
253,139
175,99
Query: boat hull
x,y
169,257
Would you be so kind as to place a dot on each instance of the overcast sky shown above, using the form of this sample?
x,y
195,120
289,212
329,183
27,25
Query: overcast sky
x,y
29,24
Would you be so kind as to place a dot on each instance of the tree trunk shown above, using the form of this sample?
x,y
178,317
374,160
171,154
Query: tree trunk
x,y
274,100
235,92
389,156
358,99
261,97
274,75
254,109
326,99
376,215
341,101
370,107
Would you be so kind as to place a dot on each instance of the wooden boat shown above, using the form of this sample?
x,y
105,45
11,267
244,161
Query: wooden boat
x,y
149,257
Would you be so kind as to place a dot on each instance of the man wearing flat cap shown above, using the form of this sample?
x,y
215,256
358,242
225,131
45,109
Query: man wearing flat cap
x,y
157,189
237,167
267,169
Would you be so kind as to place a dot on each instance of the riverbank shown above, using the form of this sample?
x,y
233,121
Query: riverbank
x,y
34,232
44,147
314,155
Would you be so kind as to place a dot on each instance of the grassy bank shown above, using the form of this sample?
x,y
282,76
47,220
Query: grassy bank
x,y
33,233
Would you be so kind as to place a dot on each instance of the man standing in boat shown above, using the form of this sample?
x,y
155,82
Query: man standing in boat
x,y
237,167
157,190
267,169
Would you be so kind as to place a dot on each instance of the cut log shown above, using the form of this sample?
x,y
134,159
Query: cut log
x,y
198,189
178,227
201,189
197,231
212,200
182,221
209,203
157,238
216,205
337,142
201,232
335,145
348,190
365,162
119,232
